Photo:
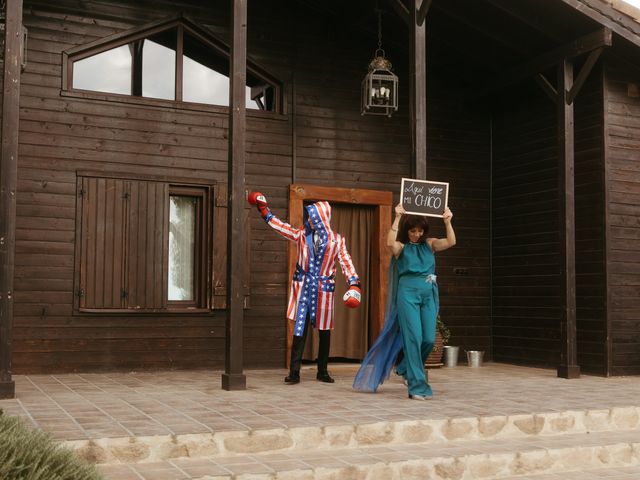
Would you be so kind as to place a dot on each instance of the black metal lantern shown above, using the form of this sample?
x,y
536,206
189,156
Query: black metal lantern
x,y
380,84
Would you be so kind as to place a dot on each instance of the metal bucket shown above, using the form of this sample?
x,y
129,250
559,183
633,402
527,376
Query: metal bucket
x,y
451,356
474,358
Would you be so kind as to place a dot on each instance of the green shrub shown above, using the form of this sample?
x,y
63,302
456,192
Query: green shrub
x,y
29,454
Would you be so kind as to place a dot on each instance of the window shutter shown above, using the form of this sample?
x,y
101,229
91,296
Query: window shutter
x,y
246,278
220,247
148,224
220,250
102,243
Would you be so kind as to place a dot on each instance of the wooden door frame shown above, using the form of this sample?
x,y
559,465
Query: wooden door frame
x,y
382,202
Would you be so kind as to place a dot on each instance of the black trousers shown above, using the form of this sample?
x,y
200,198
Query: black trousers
x,y
297,349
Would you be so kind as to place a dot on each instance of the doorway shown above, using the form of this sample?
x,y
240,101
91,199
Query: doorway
x,y
371,209
350,336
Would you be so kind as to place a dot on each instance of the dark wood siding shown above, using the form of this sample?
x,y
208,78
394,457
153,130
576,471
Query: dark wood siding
x,y
62,134
591,319
623,212
458,152
526,262
328,143
525,232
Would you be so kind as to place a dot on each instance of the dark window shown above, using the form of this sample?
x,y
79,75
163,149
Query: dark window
x,y
173,63
108,71
141,245
186,257
159,65
150,246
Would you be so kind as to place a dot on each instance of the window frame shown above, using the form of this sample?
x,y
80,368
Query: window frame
x,y
205,249
182,25
200,252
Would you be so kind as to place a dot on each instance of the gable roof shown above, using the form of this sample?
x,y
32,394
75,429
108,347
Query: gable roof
x,y
621,17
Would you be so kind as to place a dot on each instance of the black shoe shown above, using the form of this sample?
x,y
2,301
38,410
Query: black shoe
x,y
292,379
324,377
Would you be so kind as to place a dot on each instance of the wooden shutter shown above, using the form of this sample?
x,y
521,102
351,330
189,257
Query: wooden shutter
x,y
246,279
103,213
220,250
147,255
220,247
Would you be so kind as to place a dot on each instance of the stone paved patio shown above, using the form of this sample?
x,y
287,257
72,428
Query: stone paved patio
x,y
77,407
83,406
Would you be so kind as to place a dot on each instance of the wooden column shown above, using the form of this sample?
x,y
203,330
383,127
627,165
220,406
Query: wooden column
x,y
568,367
233,378
418,91
8,186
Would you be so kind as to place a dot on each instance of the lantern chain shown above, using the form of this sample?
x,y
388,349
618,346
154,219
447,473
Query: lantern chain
x,y
379,29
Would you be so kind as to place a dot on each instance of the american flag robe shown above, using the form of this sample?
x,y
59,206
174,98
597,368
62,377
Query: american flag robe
x,y
313,285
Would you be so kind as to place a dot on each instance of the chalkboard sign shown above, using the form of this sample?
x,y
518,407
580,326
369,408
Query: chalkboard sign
x,y
424,197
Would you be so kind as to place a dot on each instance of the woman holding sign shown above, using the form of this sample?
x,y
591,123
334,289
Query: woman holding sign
x,y
412,308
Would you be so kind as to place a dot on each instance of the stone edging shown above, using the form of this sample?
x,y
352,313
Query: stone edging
x,y
434,431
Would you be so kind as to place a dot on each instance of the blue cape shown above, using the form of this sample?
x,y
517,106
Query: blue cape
x,y
377,365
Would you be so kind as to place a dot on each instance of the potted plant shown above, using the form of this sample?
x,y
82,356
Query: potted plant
x,y
442,338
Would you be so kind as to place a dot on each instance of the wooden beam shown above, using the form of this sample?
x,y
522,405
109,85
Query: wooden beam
x,y
233,377
608,16
584,74
492,27
401,10
547,87
418,95
423,11
598,39
568,367
9,186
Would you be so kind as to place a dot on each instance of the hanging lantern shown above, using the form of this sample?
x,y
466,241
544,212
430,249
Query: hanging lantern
x,y
380,84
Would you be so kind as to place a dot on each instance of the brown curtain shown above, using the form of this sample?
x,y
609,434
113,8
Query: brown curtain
x,y
349,338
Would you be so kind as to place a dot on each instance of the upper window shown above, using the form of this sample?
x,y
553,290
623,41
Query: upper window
x,y
171,61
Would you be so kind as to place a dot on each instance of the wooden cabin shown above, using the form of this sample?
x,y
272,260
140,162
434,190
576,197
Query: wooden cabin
x,y
124,167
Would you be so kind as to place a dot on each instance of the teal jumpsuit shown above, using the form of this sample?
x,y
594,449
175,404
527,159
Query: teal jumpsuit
x,y
417,303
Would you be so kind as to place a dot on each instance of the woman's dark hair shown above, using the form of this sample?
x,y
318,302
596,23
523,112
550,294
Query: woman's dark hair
x,y
407,222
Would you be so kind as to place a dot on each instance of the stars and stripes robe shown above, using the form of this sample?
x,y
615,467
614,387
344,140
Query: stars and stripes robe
x,y
313,285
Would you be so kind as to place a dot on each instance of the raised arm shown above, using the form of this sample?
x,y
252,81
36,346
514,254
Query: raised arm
x,y
395,246
283,228
439,244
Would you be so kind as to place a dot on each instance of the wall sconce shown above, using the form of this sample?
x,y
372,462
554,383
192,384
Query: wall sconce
x,y
380,84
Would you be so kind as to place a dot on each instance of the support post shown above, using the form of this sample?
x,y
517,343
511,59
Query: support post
x,y
568,367
8,186
418,93
233,377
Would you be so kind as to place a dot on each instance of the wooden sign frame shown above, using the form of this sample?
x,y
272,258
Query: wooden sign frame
x,y
424,187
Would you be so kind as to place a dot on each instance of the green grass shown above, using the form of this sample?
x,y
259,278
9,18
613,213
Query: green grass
x,y
29,454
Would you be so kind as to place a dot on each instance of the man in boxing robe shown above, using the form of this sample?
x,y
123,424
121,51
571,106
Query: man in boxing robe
x,y
313,285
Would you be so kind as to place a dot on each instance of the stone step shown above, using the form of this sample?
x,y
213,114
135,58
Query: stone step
x,y
608,473
511,458
329,437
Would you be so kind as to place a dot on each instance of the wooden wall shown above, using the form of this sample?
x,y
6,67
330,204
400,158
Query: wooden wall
x,y
525,260
622,107
458,152
591,285
525,241
328,143
60,135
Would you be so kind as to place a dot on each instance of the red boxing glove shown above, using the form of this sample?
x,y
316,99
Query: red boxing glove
x,y
352,297
257,199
